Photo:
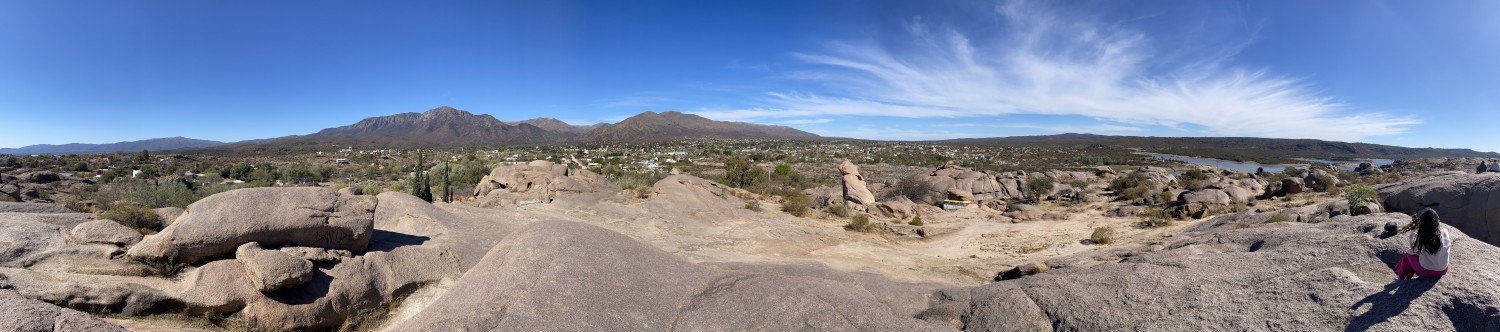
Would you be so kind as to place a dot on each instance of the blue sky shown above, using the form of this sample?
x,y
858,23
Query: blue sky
x,y
1405,73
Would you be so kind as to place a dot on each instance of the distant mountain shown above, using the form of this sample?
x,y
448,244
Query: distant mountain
x,y
442,127
1264,150
556,125
652,127
155,144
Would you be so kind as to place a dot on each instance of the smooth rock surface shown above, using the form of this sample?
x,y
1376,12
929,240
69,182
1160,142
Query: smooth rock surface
x,y
105,231
301,216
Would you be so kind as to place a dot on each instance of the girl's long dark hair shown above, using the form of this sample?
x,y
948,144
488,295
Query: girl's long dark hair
x,y
1426,224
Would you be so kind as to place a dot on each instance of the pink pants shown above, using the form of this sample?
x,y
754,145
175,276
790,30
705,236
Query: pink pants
x,y
1410,264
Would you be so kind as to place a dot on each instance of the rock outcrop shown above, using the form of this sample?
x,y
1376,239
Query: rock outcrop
x,y
1233,274
105,231
32,208
1469,202
21,314
535,182
271,270
687,195
855,190
304,216
602,280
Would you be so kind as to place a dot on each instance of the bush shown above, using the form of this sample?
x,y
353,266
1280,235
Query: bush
x,y
1155,217
797,204
133,216
1038,187
861,223
1324,182
1277,218
753,205
912,186
916,221
1360,198
1102,235
841,210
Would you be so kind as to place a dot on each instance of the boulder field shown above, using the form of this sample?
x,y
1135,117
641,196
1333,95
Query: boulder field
x,y
266,257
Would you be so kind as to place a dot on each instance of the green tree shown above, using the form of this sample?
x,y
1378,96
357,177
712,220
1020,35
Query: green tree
x,y
740,173
421,186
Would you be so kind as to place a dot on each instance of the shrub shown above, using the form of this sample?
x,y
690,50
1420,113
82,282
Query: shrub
x,y
753,205
916,221
1324,182
1038,187
861,223
133,216
840,210
1102,235
1165,198
912,187
797,204
1277,218
1360,198
1155,217
168,267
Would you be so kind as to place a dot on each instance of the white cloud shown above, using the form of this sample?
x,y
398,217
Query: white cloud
x,y
1084,129
805,121
1048,63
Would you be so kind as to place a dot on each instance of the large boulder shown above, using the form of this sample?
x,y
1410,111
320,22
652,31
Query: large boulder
x,y
105,231
271,270
303,216
559,275
690,196
1227,275
855,190
535,182
32,208
40,177
1469,202
21,314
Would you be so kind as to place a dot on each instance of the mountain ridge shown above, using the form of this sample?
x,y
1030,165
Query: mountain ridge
x,y
165,143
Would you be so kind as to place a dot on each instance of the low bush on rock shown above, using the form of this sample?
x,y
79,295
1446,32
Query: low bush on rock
x,y
1102,235
1360,198
840,210
1277,218
1154,217
861,223
797,204
916,221
753,205
911,186
133,216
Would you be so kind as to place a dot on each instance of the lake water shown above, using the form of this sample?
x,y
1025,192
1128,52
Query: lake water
x,y
1250,167
1247,167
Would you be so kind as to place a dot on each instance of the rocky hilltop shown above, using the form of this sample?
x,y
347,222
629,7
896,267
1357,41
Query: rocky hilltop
x,y
540,246
652,127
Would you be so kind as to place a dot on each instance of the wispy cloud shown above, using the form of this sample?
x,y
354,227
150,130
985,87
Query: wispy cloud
x,y
805,121
639,99
1088,129
1051,63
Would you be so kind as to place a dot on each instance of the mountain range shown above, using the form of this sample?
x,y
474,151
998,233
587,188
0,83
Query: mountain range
x,y
446,127
168,143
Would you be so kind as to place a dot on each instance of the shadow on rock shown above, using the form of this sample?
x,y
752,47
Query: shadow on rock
x,y
387,240
1388,302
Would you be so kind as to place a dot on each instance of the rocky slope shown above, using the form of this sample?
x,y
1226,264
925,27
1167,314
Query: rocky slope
x,y
652,127
155,144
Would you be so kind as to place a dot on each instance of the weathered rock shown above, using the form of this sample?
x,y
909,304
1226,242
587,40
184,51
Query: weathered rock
x,y
32,208
1292,186
899,207
302,216
105,231
1247,277
1126,211
318,255
855,190
538,181
271,270
40,177
1022,270
1469,202
167,215
688,195
21,314
606,281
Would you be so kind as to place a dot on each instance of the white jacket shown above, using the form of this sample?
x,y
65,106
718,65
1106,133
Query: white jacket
x,y
1431,262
